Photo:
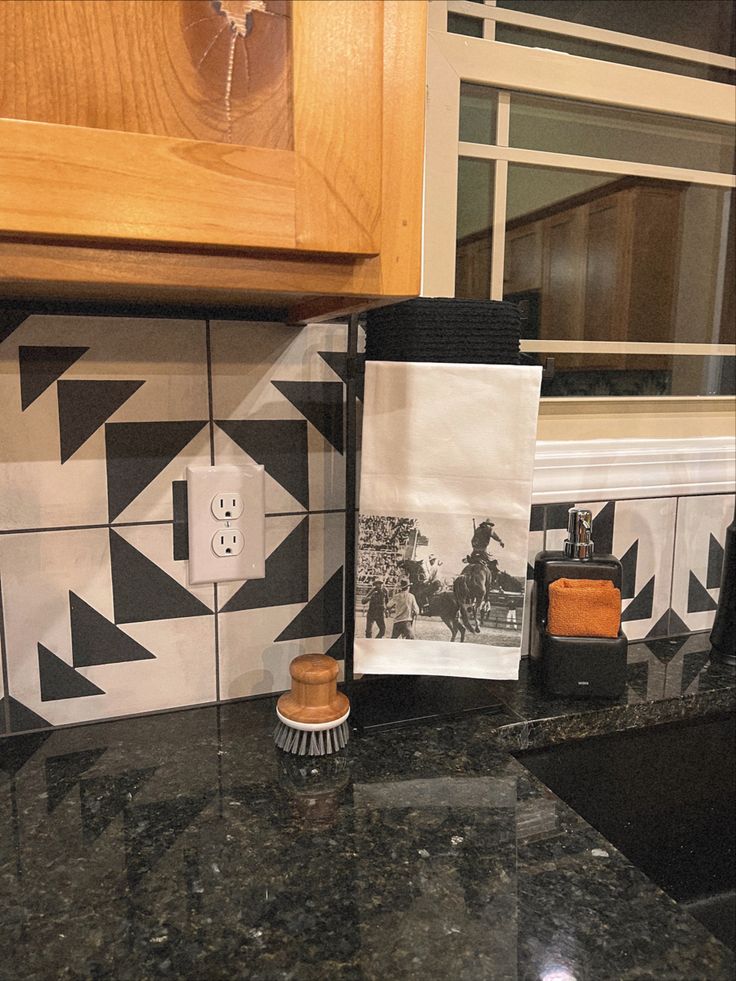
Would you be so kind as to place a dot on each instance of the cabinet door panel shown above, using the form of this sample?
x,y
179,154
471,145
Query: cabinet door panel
x,y
523,262
564,276
603,287
95,183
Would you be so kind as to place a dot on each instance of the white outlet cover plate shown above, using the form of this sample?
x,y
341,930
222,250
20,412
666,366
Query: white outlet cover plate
x,y
203,483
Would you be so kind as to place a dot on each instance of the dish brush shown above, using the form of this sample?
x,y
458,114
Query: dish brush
x,y
313,715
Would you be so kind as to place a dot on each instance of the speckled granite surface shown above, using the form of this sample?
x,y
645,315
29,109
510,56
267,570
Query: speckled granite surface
x,y
185,846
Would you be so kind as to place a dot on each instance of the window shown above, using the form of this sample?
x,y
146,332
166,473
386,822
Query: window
x,y
599,196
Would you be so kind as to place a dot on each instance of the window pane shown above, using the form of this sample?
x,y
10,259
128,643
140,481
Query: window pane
x,y
606,52
604,258
637,375
566,126
705,24
459,24
478,113
475,182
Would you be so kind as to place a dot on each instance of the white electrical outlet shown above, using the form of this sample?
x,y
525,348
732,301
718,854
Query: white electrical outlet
x,y
224,548
228,542
227,506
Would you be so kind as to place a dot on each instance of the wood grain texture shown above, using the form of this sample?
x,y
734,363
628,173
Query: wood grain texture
x,y
338,58
320,286
177,68
87,183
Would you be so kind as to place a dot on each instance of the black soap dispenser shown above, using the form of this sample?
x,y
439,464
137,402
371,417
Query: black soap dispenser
x,y
579,667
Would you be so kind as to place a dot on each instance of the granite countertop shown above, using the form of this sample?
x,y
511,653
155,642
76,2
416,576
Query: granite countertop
x,y
185,845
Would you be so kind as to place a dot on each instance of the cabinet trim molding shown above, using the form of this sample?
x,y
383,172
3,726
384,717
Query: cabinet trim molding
x,y
613,469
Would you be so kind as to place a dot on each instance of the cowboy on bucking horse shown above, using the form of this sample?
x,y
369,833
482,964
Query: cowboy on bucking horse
x,y
480,541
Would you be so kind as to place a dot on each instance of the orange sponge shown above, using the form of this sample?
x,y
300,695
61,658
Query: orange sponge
x,y
584,608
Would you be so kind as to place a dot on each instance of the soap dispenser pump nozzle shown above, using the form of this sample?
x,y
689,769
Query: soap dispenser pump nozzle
x,y
579,544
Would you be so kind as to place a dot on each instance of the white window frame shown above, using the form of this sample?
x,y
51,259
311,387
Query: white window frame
x,y
454,58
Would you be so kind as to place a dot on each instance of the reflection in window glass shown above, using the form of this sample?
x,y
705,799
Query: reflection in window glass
x,y
478,113
637,375
475,182
704,24
566,126
605,52
469,26
605,258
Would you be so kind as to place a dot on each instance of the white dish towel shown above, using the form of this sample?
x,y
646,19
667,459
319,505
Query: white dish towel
x,y
445,447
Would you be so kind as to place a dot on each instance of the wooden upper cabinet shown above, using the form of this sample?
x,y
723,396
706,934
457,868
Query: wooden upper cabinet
x,y
225,129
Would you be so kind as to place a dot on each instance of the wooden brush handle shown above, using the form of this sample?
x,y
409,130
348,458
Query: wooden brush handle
x,y
314,697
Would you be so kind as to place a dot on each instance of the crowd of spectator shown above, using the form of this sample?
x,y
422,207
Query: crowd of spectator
x,y
382,541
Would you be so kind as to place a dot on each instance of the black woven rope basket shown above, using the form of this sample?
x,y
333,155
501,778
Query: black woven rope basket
x,y
444,330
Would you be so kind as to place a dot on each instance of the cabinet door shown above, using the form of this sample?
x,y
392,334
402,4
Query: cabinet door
x,y
523,263
563,265
236,124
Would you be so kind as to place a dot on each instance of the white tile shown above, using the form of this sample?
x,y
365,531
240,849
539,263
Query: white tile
x,y
699,519
37,490
651,523
252,659
38,571
246,360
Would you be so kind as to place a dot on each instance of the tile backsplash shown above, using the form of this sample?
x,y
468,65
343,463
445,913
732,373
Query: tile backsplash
x,y
101,417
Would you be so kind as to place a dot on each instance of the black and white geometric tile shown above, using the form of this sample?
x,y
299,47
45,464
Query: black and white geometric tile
x,y
101,418
100,414
296,609
699,544
279,401
641,534
96,624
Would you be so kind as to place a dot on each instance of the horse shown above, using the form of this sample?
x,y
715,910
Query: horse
x,y
423,591
470,589
444,605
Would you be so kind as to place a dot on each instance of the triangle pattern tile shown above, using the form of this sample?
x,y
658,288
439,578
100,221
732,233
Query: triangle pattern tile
x,y
9,321
96,640
699,599
63,772
142,591
15,753
337,650
677,626
84,406
339,361
152,829
319,402
279,445
101,799
641,606
628,571
286,580
21,717
137,452
322,615
603,530
41,366
59,680
662,627
715,564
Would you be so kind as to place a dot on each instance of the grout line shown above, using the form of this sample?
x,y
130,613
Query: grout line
x,y
211,424
4,658
303,514
672,571
210,399
119,524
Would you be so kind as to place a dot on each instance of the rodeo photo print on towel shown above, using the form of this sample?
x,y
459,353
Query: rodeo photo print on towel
x,y
441,577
